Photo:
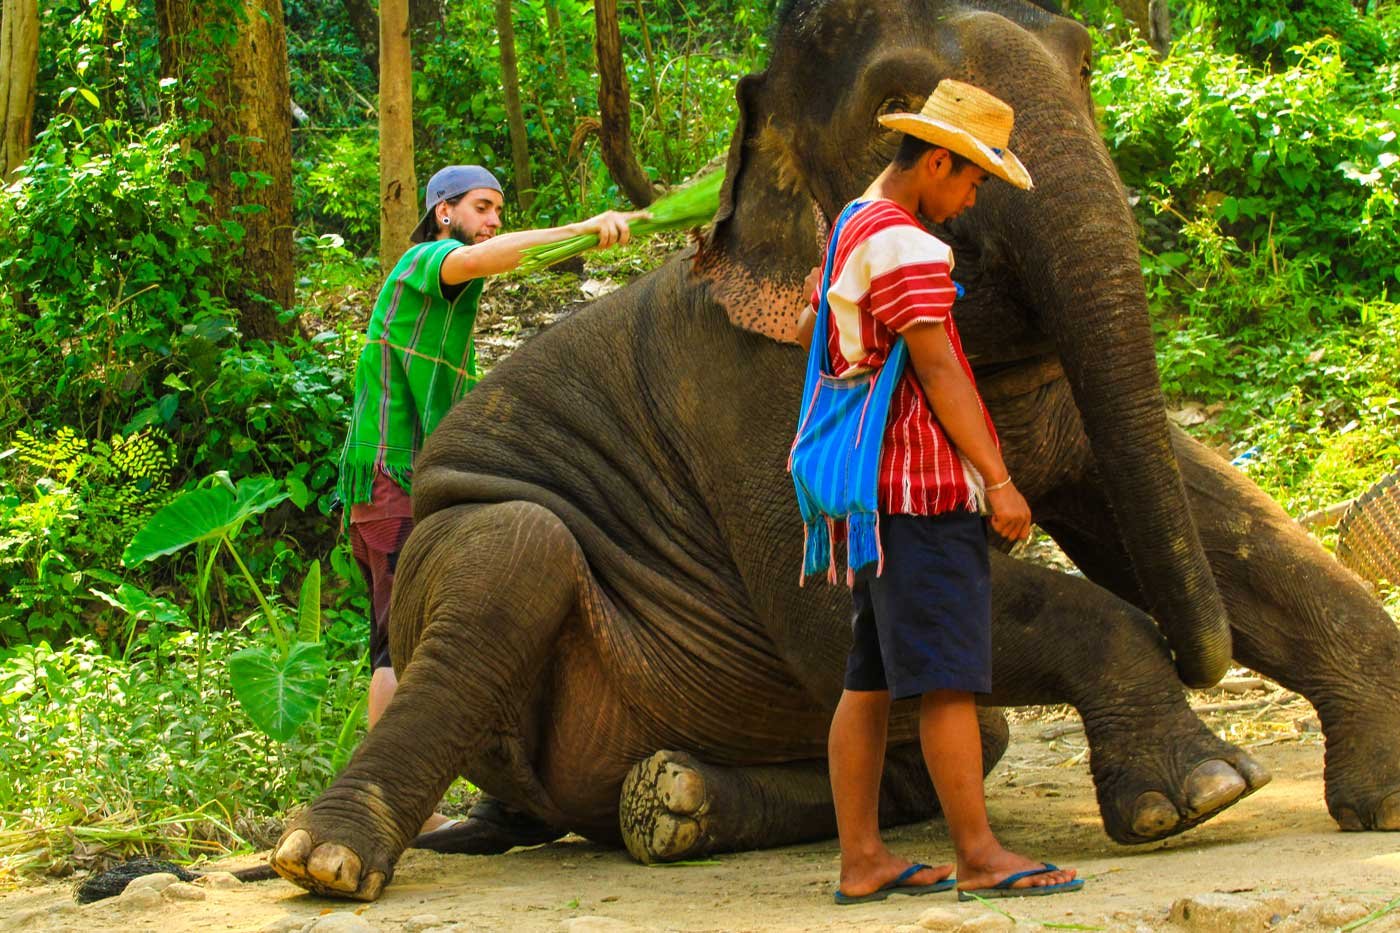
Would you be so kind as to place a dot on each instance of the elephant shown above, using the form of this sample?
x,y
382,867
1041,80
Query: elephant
x,y
598,619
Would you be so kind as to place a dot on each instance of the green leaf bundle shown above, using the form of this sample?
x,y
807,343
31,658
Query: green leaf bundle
x,y
691,206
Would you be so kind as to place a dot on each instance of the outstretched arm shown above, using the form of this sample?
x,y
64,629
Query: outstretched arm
x,y
955,403
503,253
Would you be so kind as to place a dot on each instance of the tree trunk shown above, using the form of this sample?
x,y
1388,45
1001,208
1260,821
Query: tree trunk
x,y
614,109
1152,21
364,22
248,147
515,116
398,186
19,66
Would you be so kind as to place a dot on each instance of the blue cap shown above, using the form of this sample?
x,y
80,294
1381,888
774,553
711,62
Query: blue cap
x,y
449,183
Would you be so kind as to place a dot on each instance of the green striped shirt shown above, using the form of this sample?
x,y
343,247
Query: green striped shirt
x,y
418,361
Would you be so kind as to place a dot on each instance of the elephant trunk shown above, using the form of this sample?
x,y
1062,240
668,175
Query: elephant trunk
x,y
1087,286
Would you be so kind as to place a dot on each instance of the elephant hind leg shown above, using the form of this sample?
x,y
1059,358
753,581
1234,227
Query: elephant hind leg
x,y
674,806
480,595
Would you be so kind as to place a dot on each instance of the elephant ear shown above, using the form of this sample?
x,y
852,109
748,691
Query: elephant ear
x,y
764,238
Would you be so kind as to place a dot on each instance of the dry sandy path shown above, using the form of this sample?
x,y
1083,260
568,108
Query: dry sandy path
x,y
1276,856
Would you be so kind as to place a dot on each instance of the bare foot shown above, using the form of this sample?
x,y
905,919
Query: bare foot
x,y
433,822
867,875
992,865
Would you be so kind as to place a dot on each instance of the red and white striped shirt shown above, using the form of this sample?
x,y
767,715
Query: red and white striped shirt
x,y
889,274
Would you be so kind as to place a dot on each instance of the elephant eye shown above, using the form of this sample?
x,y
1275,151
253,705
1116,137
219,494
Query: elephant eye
x,y
895,104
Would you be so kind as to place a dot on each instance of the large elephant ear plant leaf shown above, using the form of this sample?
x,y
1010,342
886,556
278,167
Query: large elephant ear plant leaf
x,y
280,686
202,515
279,693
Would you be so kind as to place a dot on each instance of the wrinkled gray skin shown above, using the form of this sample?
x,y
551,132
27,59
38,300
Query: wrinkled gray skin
x,y
599,605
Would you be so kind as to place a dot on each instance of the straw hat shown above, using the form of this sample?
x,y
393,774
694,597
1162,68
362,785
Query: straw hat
x,y
969,121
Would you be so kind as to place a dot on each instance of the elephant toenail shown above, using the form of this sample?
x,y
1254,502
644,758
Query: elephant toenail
x,y
336,866
293,850
1348,820
1154,816
671,838
1388,813
373,886
1254,774
1212,786
681,790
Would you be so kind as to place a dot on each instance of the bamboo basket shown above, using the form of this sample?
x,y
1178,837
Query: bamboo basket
x,y
1368,535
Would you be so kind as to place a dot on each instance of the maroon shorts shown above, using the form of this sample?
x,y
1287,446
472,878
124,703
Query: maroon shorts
x,y
378,531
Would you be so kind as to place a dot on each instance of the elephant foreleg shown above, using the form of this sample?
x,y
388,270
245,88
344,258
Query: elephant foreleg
x,y
1157,769
480,596
674,806
1300,617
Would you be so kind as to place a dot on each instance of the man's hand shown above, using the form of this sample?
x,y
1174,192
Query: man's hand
x,y
610,227
1011,516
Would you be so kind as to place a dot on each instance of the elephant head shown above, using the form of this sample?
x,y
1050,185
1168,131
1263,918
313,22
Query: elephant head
x,y
1062,259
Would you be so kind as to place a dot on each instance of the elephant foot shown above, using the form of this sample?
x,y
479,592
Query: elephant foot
x,y
329,854
491,827
664,808
1384,816
1144,801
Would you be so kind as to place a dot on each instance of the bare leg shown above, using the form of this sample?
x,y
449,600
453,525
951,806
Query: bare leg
x,y
952,747
856,751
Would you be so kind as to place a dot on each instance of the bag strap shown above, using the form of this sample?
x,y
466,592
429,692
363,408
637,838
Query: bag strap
x,y
818,356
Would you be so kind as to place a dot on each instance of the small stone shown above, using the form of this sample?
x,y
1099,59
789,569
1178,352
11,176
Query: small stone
x,y
421,922
595,925
608,899
1221,913
286,924
341,921
155,882
219,880
180,891
941,918
138,898
987,923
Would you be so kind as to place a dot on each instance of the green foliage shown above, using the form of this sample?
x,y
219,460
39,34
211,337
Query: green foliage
x,y
1270,30
682,61
279,687
1268,198
194,779
1302,160
336,185
74,505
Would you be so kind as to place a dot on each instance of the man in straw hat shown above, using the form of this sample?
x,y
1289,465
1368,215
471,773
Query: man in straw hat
x,y
922,613
418,361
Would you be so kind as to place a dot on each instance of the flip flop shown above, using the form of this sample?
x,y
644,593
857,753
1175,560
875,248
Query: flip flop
x,y
1003,888
898,887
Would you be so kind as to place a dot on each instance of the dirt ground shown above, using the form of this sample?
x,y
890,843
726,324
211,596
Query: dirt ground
x,y
1274,861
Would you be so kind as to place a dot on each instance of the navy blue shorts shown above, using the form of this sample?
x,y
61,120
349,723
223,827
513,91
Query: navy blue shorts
x,y
925,623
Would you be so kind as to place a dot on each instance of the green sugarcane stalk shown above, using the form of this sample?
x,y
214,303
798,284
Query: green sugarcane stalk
x,y
691,206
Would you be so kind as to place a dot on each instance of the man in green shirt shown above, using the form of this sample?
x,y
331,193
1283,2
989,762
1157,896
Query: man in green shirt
x,y
418,361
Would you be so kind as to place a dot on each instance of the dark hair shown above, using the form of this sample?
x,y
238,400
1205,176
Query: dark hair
x,y
912,148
